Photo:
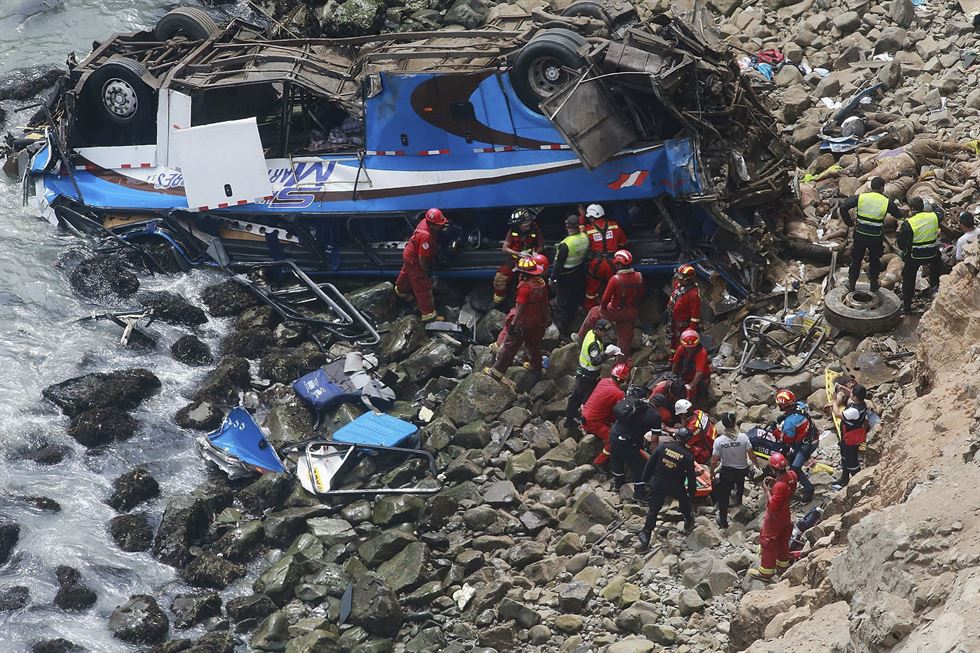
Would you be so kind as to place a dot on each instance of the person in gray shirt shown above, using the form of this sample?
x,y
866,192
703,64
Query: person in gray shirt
x,y
734,452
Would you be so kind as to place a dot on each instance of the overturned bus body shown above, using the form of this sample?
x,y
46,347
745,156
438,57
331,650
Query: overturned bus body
x,y
235,147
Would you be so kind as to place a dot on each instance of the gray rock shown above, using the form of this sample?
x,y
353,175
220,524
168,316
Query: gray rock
x,y
406,570
331,531
522,614
120,390
384,545
131,532
282,527
375,608
477,397
228,299
406,335
489,326
106,277
496,638
272,634
267,492
314,642
222,385
788,76
479,518
250,343
539,634
689,602
14,598
192,609
396,509
184,521
574,596
24,83
133,488
427,359
251,607
471,14
847,22
172,308
428,640
474,435
139,621
544,571
562,456
100,426
278,581
632,645
377,300
902,12
199,416
73,595
525,553
57,645
501,493
520,467
288,364
208,570
242,543
189,350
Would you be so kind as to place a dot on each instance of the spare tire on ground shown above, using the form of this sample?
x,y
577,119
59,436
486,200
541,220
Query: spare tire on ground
x,y
542,66
861,311
189,22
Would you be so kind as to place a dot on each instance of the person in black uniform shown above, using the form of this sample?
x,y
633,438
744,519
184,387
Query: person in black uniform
x,y
637,422
670,467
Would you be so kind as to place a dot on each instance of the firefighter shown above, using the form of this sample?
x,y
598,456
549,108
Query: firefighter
x,y
777,524
415,277
568,274
671,388
606,237
669,470
659,403
684,305
918,240
690,363
868,230
854,431
796,433
637,423
597,413
523,239
539,259
531,318
596,348
703,435
734,452
620,302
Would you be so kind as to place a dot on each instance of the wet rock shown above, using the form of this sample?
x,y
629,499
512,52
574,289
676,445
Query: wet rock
x,y
44,453
72,594
199,416
383,546
477,397
184,521
314,642
171,308
474,435
14,598
189,350
219,641
501,493
377,300
9,534
251,343
100,426
139,621
228,299
242,543
272,634
251,607
427,360
24,83
120,390
133,488
267,492
489,326
131,532
396,509
428,640
375,608
104,277
331,531
282,527
222,385
279,580
208,570
287,365
480,518
58,645
44,504
406,570
192,609
406,335
289,419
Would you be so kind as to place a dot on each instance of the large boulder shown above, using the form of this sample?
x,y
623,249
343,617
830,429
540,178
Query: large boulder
x,y
210,571
72,594
287,365
250,343
427,360
252,607
189,350
9,534
757,609
121,390
200,416
406,570
406,335
383,546
105,277
378,301
228,299
14,598
131,532
375,608
139,621
172,308
100,426
184,522
477,397
222,384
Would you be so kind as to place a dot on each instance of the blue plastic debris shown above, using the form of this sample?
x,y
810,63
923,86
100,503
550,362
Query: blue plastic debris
x,y
239,447
377,429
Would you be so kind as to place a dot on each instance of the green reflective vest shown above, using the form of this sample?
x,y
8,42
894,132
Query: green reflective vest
x,y
925,234
584,360
578,247
871,210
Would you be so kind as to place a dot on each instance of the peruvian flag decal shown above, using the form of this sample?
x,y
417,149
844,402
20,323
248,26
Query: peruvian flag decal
x,y
629,179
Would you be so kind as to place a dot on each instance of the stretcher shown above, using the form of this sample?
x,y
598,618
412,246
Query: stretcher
x,y
764,443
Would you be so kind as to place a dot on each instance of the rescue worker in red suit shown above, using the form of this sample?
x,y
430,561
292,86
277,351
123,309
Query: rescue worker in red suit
x,y
597,413
671,389
415,277
620,302
684,305
606,237
702,437
539,259
777,524
523,239
690,363
532,316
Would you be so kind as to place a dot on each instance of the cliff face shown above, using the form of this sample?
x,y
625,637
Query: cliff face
x,y
897,563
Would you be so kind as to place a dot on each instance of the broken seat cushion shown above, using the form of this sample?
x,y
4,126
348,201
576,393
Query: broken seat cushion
x,y
378,429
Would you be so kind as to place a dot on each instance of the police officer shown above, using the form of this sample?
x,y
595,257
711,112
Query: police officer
x,y
918,240
734,451
568,274
595,350
670,467
868,230
637,422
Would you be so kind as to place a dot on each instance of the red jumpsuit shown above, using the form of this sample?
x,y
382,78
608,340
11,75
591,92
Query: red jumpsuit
x,y
686,362
620,304
703,440
518,241
605,237
684,307
597,413
526,329
777,525
412,278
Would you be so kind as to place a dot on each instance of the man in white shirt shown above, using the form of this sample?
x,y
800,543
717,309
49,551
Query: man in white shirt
x,y
734,451
969,228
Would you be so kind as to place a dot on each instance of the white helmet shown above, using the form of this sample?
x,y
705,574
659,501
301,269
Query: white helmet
x,y
681,406
595,211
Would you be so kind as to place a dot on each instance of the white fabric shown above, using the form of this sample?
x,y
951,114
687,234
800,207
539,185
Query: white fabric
x,y
963,241
732,451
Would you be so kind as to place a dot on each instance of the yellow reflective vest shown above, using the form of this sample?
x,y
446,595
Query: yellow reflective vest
x,y
925,234
871,210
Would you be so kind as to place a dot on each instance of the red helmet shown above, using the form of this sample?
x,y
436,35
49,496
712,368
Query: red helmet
x,y
785,397
621,371
623,257
778,461
527,265
690,338
435,216
540,259
685,271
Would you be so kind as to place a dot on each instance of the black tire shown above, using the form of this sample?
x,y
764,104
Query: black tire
x,y
540,67
188,22
861,312
119,95
589,9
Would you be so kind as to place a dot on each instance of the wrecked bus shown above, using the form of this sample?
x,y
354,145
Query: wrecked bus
x,y
235,148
